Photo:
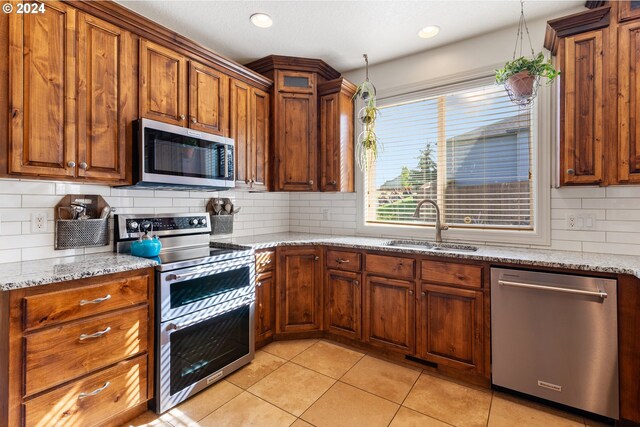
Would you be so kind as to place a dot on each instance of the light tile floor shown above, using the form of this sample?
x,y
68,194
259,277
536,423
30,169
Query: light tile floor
x,y
323,384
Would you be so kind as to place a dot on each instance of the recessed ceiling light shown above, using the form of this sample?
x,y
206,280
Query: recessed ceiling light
x,y
428,32
261,20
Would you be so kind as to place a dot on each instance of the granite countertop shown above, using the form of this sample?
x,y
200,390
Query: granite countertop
x,y
604,263
17,275
26,274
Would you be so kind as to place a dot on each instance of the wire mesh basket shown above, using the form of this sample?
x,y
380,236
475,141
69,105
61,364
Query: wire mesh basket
x,y
74,233
221,224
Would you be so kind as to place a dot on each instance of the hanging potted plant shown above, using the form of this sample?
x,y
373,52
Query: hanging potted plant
x,y
521,76
367,145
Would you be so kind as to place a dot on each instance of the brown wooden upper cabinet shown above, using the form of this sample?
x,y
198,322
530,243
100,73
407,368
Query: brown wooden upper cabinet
x,y
628,101
107,98
72,94
312,125
598,52
336,135
182,92
250,131
42,130
582,112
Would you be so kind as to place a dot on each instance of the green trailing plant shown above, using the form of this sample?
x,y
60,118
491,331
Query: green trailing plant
x,y
538,66
368,145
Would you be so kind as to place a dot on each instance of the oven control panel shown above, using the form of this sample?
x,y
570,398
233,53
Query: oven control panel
x,y
129,226
134,225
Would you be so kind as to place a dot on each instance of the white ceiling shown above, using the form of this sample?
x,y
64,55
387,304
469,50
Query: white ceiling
x,y
338,32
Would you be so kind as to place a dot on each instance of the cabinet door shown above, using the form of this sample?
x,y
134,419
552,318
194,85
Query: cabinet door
x,y
629,102
296,144
450,326
342,306
299,290
336,141
389,306
208,99
42,92
107,97
628,10
582,109
259,156
163,84
241,131
265,306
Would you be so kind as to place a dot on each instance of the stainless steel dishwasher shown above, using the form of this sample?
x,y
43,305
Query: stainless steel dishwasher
x,y
555,336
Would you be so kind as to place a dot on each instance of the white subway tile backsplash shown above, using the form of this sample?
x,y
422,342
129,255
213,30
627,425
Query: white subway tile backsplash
x,y
623,191
579,192
19,199
10,200
27,187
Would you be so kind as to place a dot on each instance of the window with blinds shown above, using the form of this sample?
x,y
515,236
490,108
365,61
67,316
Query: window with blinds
x,y
468,147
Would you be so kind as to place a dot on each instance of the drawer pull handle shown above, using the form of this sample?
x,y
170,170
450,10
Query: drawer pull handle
x,y
342,261
94,392
265,262
95,335
95,301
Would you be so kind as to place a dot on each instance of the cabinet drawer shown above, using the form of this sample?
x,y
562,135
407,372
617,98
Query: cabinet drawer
x,y
92,400
343,260
452,273
56,307
391,266
65,352
265,261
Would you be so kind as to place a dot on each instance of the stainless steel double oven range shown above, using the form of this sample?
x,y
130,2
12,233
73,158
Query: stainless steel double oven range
x,y
204,303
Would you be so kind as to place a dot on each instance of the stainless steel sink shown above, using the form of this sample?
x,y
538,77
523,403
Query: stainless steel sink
x,y
431,246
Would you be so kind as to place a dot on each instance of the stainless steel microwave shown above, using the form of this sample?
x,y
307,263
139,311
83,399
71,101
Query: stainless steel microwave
x,y
169,156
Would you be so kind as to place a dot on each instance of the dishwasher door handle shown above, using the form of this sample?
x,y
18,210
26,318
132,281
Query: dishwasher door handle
x,y
599,294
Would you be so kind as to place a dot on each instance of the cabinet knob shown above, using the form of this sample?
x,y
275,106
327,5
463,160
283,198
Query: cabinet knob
x,y
82,165
356,282
332,183
316,258
571,172
410,291
182,117
71,164
310,182
258,284
193,120
424,294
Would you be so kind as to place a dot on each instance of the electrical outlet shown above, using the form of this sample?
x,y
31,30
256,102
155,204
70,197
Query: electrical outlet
x,y
583,221
39,222
326,214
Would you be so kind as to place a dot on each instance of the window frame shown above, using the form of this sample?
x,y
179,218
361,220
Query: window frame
x,y
542,133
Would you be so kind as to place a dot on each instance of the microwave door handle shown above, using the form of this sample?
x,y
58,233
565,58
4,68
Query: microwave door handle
x,y
226,161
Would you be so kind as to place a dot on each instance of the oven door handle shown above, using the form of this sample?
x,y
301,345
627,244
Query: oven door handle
x,y
201,273
178,326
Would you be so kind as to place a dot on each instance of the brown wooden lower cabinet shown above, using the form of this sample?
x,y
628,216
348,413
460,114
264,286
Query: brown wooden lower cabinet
x,y
299,289
343,297
389,313
92,400
77,353
450,326
265,306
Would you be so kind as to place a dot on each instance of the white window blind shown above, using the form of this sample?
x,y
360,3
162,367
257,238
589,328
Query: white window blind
x,y
468,148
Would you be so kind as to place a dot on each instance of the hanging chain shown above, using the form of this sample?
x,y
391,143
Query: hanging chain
x,y
522,27
366,66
